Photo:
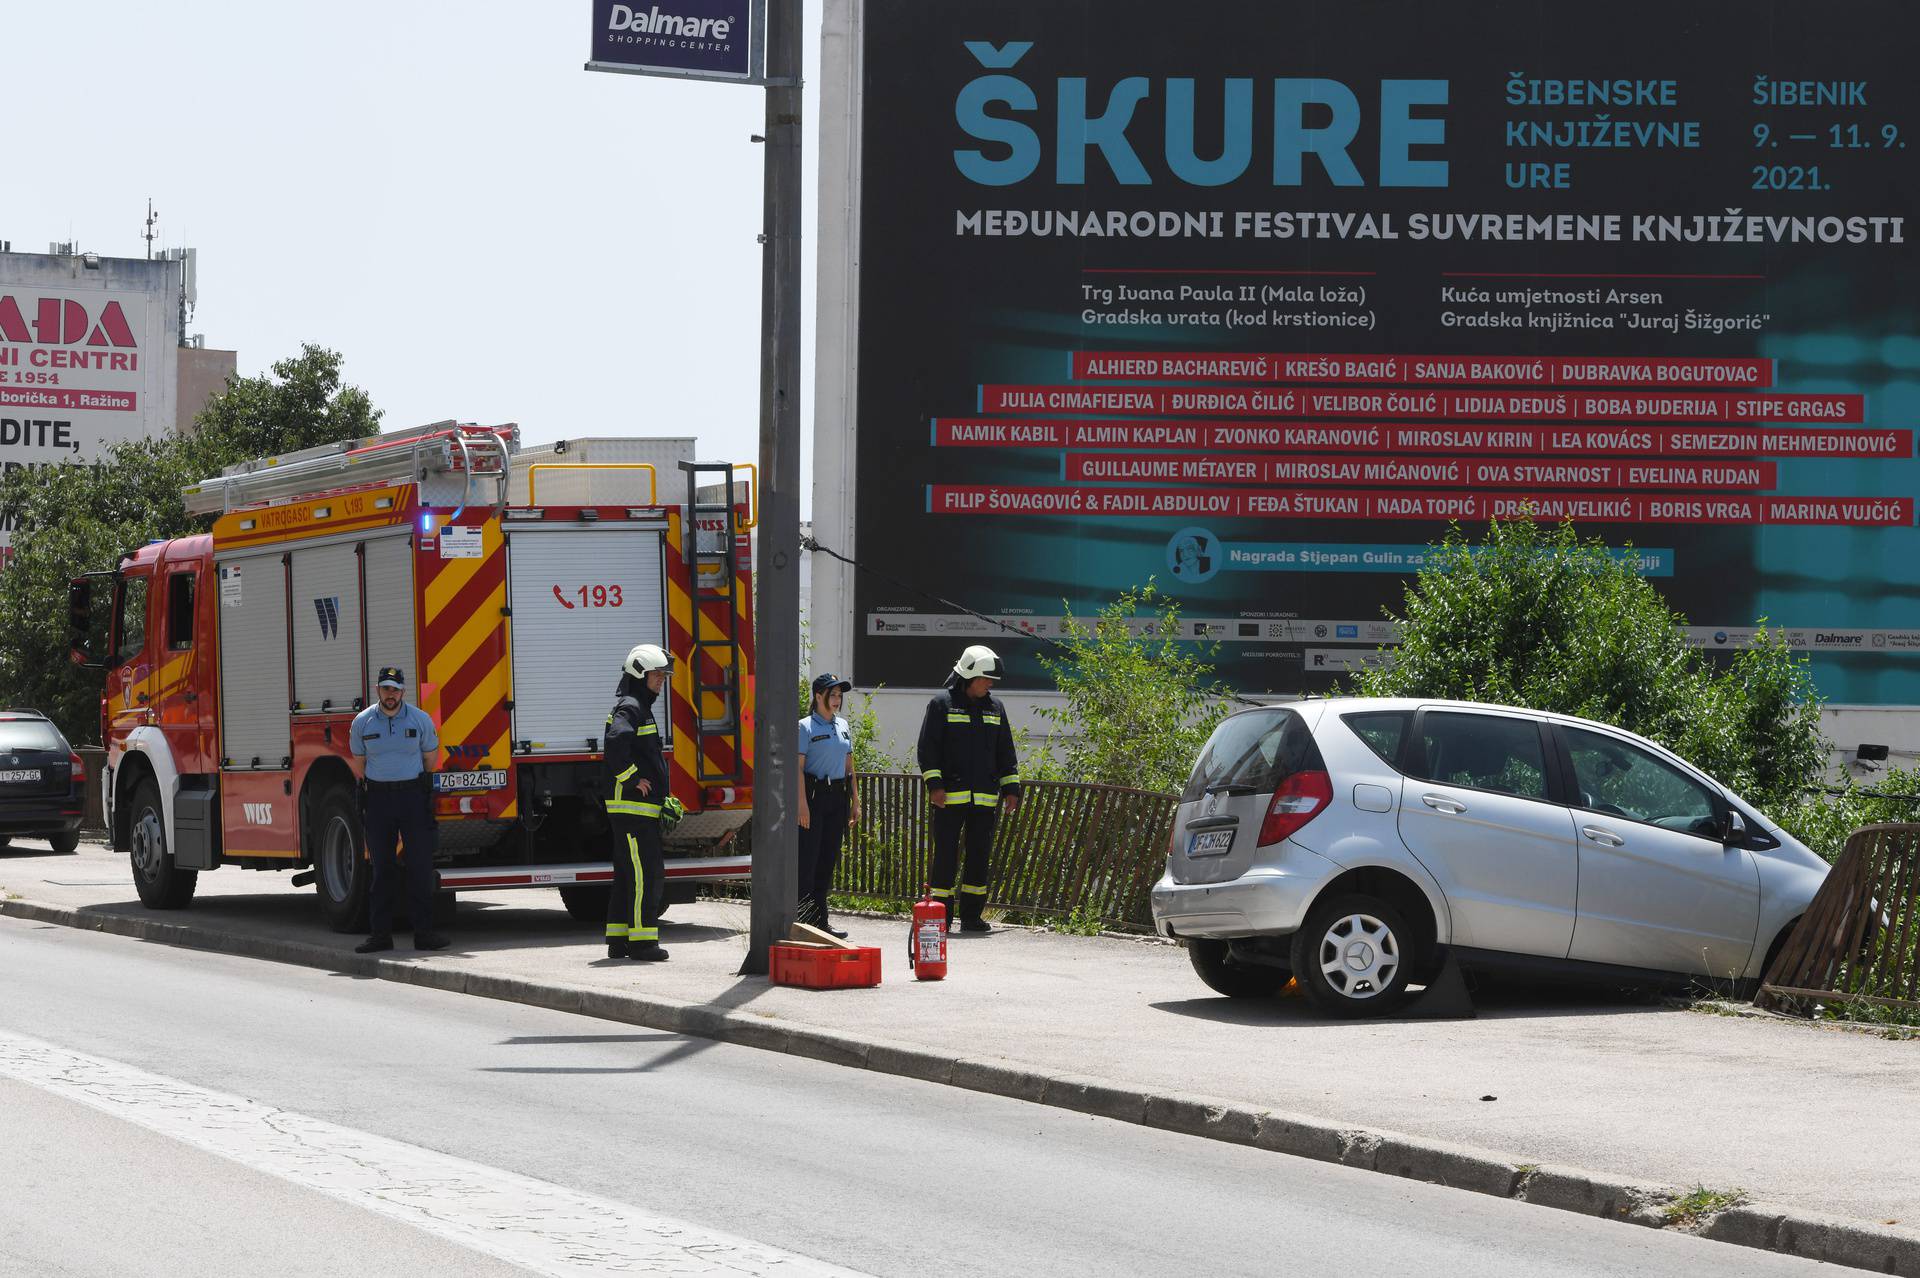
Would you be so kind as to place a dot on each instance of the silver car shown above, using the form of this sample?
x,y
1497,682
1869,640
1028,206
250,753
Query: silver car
x,y
1352,843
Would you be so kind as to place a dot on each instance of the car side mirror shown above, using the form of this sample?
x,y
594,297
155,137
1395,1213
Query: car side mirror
x,y
1734,830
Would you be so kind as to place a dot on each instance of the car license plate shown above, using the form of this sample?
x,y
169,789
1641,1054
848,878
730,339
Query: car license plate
x,y
20,774
492,780
1210,843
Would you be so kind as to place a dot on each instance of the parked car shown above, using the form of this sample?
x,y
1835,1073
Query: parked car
x,y
42,781
1350,843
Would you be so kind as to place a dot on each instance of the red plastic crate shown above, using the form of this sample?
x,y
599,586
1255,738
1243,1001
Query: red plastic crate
x,y
824,969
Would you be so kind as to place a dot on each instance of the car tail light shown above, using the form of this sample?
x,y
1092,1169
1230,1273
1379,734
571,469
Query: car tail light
x,y
1300,798
79,766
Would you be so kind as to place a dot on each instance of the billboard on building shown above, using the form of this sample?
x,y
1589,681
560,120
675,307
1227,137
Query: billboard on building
x,y
1256,297
89,355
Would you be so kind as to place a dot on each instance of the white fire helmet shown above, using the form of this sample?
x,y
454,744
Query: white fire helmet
x,y
977,662
647,658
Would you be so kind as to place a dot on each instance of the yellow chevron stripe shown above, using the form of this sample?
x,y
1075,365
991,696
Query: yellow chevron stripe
x,y
455,575
463,719
485,622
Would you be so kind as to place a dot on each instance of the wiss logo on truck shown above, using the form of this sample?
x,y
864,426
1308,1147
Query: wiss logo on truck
x,y
236,660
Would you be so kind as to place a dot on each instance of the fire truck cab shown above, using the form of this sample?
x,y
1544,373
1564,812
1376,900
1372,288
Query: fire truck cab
x,y
235,662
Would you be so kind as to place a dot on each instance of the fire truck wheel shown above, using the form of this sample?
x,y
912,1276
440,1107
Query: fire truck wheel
x,y
162,885
342,873
63,843
586,902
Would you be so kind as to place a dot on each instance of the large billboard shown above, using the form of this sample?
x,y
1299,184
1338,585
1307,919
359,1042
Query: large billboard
x,y
1255,298
89,357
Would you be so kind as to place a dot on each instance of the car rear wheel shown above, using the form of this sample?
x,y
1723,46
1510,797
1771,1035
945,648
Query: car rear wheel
x,y
1351,956
161,883
1213,963
342,875
64,843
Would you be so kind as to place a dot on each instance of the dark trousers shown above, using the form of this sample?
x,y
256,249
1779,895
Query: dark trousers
x,y
402,812
639,880
820,846
974,822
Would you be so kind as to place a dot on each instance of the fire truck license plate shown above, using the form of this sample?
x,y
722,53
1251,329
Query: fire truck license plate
x,y
21,774
444,781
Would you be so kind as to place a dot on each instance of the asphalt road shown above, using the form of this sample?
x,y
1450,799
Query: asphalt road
x,y
300,1120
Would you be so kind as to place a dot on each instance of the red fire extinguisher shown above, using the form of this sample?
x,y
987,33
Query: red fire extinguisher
x,y
927,938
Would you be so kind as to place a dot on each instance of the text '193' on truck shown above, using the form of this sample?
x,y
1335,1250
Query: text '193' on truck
x,y
236,660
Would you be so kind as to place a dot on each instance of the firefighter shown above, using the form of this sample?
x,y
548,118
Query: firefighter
x,y
829,802
398,742
638,786
968,764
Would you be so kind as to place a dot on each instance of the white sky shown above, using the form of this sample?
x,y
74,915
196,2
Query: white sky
x,y
438,191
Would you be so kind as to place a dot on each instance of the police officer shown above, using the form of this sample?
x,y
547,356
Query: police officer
x,y
968,764
398,742
638,772
828,800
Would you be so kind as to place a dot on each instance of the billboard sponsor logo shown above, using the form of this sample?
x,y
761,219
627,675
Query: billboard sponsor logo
x,y
1852,640
653,22
1346,632
63,321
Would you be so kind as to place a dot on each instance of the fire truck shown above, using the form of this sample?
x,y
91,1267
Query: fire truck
x,y
235,661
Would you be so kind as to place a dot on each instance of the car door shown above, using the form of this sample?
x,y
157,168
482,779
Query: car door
x,y
1658,887
1476,810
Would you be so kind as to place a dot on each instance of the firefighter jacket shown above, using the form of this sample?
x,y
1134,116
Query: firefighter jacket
x,y
966,747
633,753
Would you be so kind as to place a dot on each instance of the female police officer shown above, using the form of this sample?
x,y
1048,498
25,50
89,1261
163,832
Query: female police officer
x,y
828,803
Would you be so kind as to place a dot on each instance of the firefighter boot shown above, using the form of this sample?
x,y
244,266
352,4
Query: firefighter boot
x,y
647,952
617,947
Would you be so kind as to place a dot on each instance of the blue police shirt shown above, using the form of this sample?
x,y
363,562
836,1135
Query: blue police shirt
x,y
827,745
392,746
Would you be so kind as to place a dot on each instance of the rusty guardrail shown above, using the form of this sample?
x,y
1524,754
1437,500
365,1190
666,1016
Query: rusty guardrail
x,y
1856,942
1091,849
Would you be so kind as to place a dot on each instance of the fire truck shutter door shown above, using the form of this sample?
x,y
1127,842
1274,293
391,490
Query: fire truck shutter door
x,y
253,661
326,627
582,598
390,611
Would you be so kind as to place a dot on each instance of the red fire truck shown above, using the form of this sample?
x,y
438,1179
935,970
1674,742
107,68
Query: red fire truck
x,y
235,662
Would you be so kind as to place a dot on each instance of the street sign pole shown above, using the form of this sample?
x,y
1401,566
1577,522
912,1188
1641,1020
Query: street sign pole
x,y
776,579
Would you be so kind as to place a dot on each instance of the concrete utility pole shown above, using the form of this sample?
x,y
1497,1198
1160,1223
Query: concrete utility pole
x,y
776,605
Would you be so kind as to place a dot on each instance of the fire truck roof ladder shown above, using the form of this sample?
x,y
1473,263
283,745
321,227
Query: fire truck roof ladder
x,y
713,560
405,456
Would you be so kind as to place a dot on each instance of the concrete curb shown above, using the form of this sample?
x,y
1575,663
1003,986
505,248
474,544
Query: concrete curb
x,y
1835,1240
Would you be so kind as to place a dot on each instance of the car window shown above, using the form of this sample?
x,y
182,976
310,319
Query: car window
x,y
29,734
131,640
1255,752
1382,730
1483,751
1624,780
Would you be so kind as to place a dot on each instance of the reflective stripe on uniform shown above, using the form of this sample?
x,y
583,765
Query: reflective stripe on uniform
x,y
639,891
631,807
930,774
647,730
644,934
942,893
631,769
959,796
954,716
1012,778
992,719
971,890
648,810
985,799
616,931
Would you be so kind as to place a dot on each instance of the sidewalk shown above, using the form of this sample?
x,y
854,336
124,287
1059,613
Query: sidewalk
x,y
1811,1122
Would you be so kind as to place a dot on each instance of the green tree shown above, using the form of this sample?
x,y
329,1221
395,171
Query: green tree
x,y
1534,616
1140,702
72,519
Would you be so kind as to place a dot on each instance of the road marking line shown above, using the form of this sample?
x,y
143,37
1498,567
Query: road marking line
x,y
532,1223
